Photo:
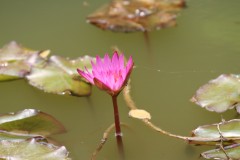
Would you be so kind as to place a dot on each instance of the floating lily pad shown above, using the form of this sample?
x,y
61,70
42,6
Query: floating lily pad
x,y
69,66
230,131
136,15
14,62
220,94
232,151
11,136
31,150
15,52
13,70
54,75
57,76
30,123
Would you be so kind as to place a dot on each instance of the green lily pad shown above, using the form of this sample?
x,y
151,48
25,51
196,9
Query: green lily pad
x,y
230,130
30,123
59,76
13,70
136,15
232,151
16,61
15,52
31,150
220,94
69,66
11,136
54,75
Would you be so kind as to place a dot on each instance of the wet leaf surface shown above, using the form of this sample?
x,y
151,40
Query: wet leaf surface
x,y
136,15
31,150
30,122
219,94
13,64
15,52
13,70
23,136
59,76
232,151
11,136
228,129
69,65
53,74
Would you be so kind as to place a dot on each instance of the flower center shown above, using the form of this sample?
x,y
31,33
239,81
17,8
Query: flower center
x,y
117,76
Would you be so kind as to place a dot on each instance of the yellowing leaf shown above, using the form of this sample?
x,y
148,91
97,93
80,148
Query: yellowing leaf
x,y
139,114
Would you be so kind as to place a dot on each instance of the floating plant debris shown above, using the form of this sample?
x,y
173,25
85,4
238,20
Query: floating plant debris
x,y
136,15
219,94
53,74
139,114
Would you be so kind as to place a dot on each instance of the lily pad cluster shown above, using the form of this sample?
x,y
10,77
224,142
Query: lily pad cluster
x,y
136,15
53,74
24,135
225,136
220,95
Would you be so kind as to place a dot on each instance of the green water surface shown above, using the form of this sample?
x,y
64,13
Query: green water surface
x,y
205,44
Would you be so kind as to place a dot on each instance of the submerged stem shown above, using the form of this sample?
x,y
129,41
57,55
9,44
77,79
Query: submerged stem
x,y
118,132
104,139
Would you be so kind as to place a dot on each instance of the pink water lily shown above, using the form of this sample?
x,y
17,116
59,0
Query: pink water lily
x,y
109,74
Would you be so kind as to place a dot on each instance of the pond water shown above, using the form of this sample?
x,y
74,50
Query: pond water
x,y
204,45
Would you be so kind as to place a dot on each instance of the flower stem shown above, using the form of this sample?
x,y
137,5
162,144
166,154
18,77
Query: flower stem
x,y
118,132
191,140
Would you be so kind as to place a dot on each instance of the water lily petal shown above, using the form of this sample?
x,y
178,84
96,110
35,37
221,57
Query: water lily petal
x,y
109,74
86,76
115,61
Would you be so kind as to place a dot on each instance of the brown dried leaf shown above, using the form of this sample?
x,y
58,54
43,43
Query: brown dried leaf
x,y
139,114
136,15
